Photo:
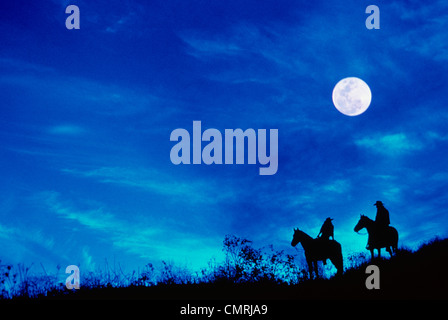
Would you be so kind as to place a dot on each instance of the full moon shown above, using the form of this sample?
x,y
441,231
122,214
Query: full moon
x,y
351,96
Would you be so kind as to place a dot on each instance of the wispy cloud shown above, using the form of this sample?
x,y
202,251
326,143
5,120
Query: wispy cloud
x,y
154,181
390,144
247,41
132,236
425,25
65,129
35,236
47,89
21,244
119,232
338,186
121,22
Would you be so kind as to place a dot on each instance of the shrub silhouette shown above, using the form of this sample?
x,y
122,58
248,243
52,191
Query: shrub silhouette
x,y
244,263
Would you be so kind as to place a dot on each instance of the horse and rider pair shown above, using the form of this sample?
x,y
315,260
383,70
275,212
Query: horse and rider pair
x,y
381,235
320,248
381,227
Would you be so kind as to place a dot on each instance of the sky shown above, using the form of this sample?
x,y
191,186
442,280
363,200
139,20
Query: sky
x,y
86,117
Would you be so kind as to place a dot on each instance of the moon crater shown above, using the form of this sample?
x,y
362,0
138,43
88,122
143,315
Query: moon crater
x,y
352,96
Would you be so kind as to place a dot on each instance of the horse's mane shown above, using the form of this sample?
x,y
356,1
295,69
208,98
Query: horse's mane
x,y
366,217
305,234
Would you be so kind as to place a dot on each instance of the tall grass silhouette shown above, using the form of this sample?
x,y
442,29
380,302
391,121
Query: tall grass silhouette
x,y
245,272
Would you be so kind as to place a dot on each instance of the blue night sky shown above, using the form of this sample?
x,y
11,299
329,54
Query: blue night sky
x,y
86,117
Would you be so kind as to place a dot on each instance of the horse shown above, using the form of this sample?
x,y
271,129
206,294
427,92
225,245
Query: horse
x,y
378,238
319,250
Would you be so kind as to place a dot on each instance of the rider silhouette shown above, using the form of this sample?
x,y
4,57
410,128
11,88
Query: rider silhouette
x,y
327,230
382,220
382,215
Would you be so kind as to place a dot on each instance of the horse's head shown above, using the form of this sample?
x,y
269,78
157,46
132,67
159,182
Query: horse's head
x,y
297,237
362,223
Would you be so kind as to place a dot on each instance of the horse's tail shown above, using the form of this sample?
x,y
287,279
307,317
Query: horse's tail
x,y
394,238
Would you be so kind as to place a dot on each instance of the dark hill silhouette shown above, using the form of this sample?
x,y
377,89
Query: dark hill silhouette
x,y
409,274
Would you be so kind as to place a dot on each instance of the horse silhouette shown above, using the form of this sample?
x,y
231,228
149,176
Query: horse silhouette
x,y
378,237
319,250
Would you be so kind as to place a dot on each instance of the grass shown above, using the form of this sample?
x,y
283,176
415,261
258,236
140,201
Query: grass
x,y
250,273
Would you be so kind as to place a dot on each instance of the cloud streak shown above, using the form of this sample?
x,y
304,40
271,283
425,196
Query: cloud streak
x,y
424,30
390,144
154,181
149,242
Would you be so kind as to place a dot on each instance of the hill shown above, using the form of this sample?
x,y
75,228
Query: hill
x,y
417,274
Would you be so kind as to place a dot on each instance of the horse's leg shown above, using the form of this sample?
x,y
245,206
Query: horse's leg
x,y
338,263
310,268
389,249
379,252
